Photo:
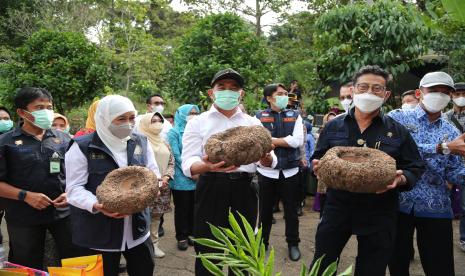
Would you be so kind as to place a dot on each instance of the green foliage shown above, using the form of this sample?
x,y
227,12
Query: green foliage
x,y
254,9
65,63
387,34
242,250
448,40
217,42
456,8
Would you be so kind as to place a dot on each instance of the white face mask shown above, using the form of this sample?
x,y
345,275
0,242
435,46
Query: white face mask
x,y
407,106
190,117
460,101
367,102
346,104
158,108
435,101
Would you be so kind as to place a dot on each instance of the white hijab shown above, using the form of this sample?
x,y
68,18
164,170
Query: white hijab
x,y
109,108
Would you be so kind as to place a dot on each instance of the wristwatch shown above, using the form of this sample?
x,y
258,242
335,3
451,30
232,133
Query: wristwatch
x,y
445,149
22,195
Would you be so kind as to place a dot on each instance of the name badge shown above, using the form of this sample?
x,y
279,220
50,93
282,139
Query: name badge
x,y
289,119
54,166
55,163
267,119
97,156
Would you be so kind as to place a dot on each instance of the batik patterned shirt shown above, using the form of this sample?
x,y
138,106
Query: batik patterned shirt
x,y
430,196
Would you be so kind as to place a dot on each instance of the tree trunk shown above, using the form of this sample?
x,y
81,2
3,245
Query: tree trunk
x,y
258,18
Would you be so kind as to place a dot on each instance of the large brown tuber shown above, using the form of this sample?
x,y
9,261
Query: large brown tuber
x,y
239,145
358,170
128,190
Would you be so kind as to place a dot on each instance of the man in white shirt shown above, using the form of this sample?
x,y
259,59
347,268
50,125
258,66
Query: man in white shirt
x,y
286,129
220,188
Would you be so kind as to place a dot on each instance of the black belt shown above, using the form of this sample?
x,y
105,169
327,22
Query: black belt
x,y
232,175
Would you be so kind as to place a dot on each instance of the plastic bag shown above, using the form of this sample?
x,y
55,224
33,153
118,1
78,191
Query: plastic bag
x,y
80,266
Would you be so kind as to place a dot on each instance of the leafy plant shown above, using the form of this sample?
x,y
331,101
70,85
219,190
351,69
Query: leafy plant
x,y
217,42
242,250
65,63
386,33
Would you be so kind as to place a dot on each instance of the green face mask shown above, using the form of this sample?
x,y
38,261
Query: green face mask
x,y
42,118
281,101
6,125
227,99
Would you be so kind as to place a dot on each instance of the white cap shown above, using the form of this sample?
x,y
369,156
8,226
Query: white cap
x,y
437,78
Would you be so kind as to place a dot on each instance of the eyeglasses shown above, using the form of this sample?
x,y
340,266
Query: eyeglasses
x,y
375,88
158,103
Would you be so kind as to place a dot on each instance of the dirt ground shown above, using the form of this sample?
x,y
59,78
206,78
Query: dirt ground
x,y
182,262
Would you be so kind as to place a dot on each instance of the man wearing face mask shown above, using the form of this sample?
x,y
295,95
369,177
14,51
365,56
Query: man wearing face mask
x,y
427,207
32,178
456,116
409,100
6,124
345,95
155,103
220,188
371,217
286,130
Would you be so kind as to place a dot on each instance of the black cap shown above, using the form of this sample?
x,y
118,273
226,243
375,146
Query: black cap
x,y
460,86
228,74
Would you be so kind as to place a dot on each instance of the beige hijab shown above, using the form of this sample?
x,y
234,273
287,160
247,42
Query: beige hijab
x,y
152,132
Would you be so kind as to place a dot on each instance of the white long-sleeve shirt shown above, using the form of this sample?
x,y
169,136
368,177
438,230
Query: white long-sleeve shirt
x,y
77,174
201,127
296,140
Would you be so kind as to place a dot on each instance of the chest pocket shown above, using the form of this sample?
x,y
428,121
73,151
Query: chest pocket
x,y
390,146
23,156
338,139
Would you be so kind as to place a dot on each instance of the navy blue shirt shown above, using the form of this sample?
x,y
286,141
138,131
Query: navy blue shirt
x,y
25,164
369,213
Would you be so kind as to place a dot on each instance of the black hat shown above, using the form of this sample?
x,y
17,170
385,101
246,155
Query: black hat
x,y
228,74
460,86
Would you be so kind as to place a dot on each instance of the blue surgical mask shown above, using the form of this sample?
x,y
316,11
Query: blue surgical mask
x,y
42,118
281,101
6,125
227,99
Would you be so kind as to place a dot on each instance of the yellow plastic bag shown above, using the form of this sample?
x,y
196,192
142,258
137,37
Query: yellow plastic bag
x,y
80,266
13,272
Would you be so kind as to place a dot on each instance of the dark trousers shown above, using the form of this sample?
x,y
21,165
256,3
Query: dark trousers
x,y
27,242
214,196
1,236
303,183
289,191
434,241
374,249
183,213
139,260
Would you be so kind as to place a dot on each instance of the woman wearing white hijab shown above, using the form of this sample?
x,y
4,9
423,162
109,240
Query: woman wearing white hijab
x,y
88,161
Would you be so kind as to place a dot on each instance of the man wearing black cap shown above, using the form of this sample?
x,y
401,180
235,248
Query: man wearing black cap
x,y
220,188
286,129
456,116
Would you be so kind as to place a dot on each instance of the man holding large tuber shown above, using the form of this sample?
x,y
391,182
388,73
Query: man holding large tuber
x,y
369,216
220,188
